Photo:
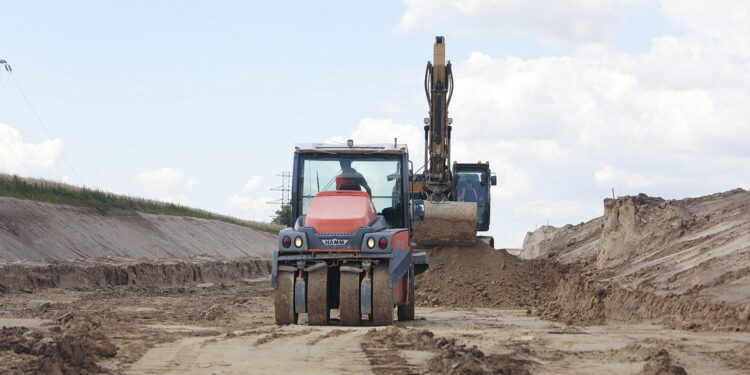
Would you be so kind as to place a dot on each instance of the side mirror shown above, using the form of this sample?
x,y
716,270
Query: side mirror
x,y
493,180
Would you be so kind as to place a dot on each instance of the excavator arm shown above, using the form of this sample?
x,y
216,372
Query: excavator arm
x,y
438,89
444,220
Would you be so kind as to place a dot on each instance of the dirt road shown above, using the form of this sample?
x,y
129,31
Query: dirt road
x,y
228,329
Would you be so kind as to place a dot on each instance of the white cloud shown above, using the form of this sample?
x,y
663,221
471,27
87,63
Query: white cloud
x,y
252,208
727,22
371,130
17,156
561,131
553,209
588,108
611,177
573,20
252,183
164,178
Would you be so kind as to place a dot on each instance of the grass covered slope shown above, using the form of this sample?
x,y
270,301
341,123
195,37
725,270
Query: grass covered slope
x,y
56,192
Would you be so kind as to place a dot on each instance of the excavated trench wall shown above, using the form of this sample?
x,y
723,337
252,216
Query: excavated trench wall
x,y
47,245
15,278
697,248
581,300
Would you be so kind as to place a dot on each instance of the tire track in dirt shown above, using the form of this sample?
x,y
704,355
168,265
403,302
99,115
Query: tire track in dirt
x,y
279,350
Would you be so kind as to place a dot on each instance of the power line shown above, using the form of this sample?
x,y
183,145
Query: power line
x,y
39,119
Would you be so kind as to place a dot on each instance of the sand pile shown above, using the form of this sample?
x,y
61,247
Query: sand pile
x,y
567,244
698,248
72,346
481,276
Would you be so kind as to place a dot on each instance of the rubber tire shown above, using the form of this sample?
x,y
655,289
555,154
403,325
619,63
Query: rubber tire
x,y
406,312
349,307
382,296
283,302
318,312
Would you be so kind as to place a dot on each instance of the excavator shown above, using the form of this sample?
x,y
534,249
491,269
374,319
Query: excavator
x,y
451,204
360,212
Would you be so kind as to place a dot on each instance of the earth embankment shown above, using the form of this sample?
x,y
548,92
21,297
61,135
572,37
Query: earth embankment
x,y
48,245
685,262
698,248
33,231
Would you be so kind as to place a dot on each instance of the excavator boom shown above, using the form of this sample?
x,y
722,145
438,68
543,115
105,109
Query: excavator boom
x,y
438,89
444,220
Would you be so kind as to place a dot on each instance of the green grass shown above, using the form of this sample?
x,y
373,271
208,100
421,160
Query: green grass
x,y
55,192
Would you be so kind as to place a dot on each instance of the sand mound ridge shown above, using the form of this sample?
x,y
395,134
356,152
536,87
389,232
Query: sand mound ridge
x,y
480,276
450,357
698,248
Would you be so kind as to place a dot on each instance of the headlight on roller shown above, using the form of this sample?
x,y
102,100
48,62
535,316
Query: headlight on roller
x,y
370,243
298,241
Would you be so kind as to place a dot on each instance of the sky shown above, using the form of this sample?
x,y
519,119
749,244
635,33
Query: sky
x,y
201,103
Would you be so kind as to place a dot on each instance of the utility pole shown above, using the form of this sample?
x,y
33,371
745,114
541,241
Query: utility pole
x,y
284,201
285,188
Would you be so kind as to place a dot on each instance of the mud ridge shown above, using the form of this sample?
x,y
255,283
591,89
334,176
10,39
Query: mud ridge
x,y
72,346
15,278
449,356
581,300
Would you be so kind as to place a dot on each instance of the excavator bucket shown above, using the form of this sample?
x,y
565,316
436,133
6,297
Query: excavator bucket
x,y
446,224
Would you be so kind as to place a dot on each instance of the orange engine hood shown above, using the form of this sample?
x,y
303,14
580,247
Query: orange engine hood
x,y
340,211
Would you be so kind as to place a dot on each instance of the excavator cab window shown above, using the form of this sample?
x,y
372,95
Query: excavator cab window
x,y
472,186
380,177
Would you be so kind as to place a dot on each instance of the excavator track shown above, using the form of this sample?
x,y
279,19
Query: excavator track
x,y
349,304
318,311
382,297
283,302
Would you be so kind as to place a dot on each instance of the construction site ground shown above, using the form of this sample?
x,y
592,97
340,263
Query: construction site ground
x,y
227,328
574,307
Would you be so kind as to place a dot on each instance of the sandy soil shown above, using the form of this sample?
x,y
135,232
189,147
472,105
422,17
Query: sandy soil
x,y
696,248
226,328
32,231
652,287
480,276
25,277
